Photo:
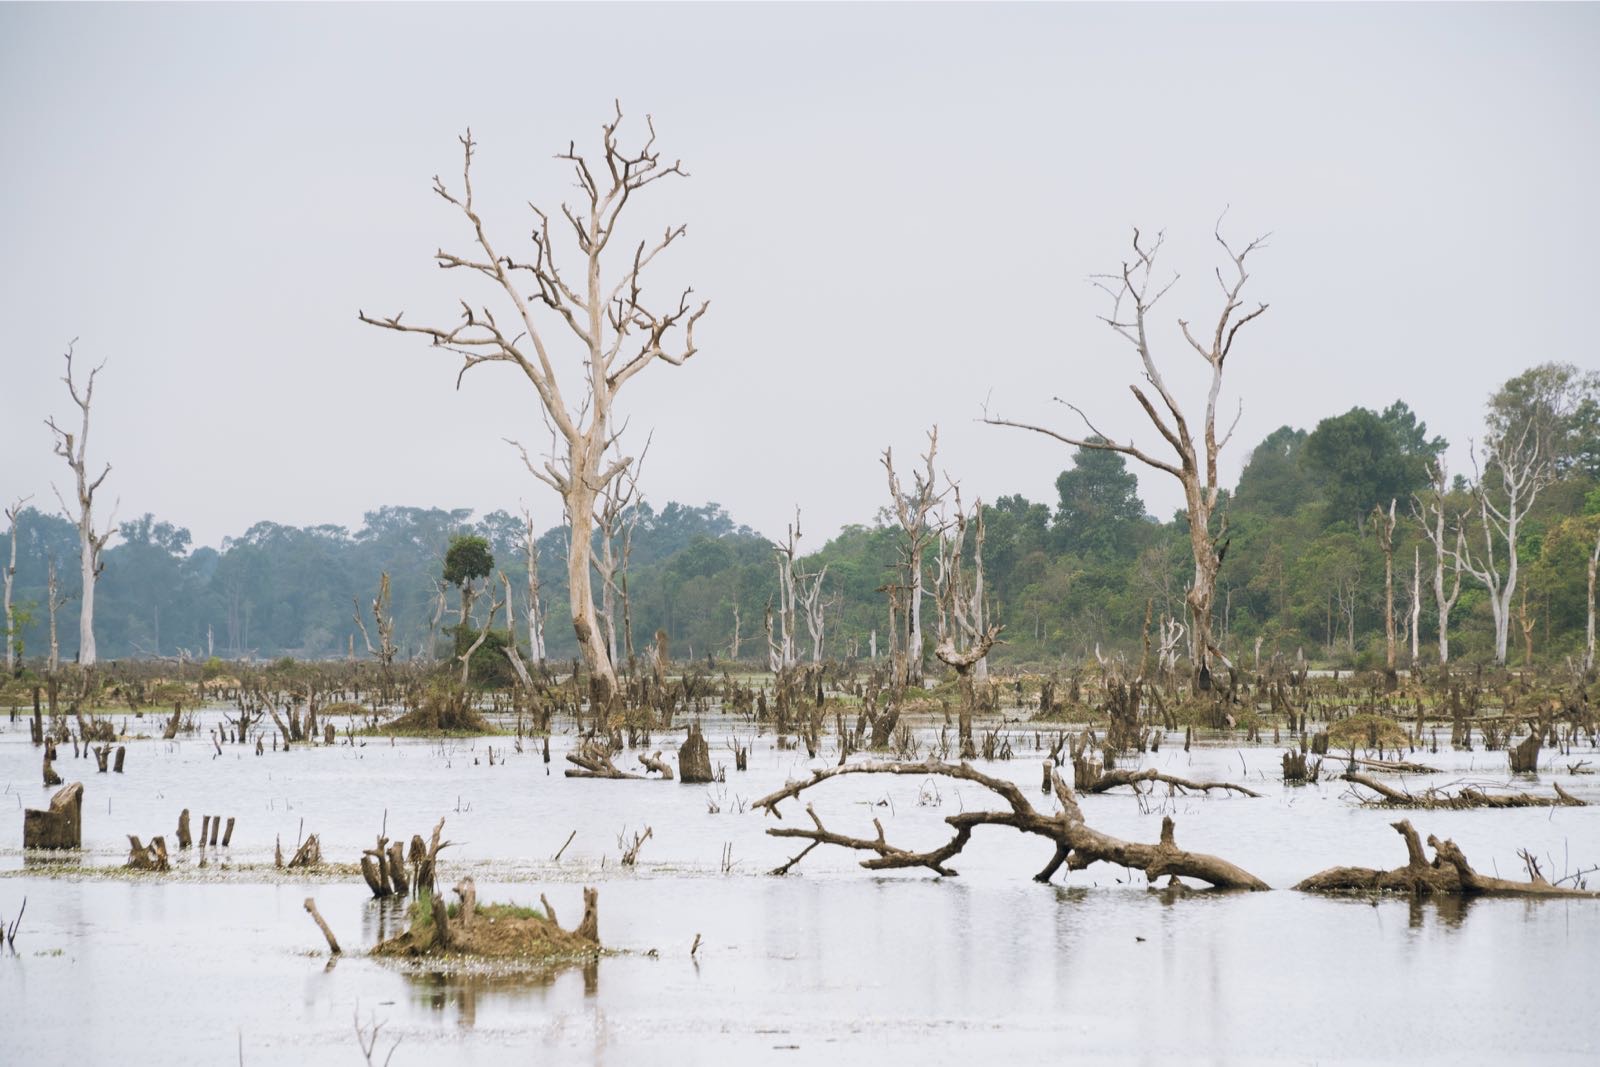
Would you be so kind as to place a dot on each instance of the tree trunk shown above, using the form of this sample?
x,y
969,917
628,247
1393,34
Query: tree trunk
x,y
591,642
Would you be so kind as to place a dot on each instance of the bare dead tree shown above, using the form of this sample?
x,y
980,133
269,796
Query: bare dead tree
x,y
55,600
911,510
1383,526
733,646
1429,511
1414,609
465,658
510,647
1588,644
10,574
814,607
383,620
616,520
617,333
781,650
1134,295
74,449
964,639
1516,469
530,549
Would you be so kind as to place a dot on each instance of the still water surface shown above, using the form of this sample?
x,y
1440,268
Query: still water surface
x,y
829,962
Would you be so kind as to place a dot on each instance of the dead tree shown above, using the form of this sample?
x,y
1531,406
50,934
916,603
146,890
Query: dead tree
x,y
1588,645
781,651
815,608
1383,526
10,574
1429,512
91,543
964,640
465,658
510,647
911,510
615,522
1517,468
1134,294
530,549
383,619
617,335
1076,843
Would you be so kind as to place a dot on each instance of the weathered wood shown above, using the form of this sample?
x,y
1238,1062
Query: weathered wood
x,y
593,760
397,869
694,758
183,829
333,945
1465,797
227,835
51,778
122,751
61,826
657,764
589,926
467,890
1449,874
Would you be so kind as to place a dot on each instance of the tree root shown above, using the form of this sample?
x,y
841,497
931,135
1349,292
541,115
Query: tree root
x,y
1448,875
1077,844
1466,797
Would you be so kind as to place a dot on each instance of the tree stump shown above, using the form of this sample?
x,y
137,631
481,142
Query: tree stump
x,y
397,868
184,840
694,762
122,750
589,927
50,775
59,827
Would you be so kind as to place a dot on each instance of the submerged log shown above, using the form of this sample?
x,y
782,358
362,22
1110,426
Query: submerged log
x,y
593,760
333,945
151,857
657,764
1465,797
1449,874
59,827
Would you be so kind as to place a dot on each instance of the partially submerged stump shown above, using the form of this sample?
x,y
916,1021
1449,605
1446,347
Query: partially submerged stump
x,y
495,931
694,758
151,857
59,827
593,760
1449,874
657,764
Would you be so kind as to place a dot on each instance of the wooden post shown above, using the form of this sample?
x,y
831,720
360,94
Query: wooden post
x,y
122,750
216,827
183,829
227,835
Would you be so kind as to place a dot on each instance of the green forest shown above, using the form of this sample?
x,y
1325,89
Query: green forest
x,y
1080,568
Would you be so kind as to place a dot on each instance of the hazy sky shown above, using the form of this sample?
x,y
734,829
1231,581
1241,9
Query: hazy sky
x,y
893,210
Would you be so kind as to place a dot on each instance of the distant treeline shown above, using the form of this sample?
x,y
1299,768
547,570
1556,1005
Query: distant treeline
x,y
1303,569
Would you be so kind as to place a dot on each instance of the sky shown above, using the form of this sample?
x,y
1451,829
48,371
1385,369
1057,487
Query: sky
x,y
894,210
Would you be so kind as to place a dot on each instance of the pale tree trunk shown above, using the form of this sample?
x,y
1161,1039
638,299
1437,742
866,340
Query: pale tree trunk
x,y
1383,526
617,335
1416,604
733,646
10,574
55,601
1523,471
788,600
815,608
535,609
1134,291
872,639
74,449
1430,515
912,510
1588,646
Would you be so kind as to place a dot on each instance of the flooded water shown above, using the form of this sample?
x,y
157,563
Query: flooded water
x,y
220,964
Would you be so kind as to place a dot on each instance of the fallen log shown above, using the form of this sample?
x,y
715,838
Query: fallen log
x,y
311,906
1448,874
657,764
1465,797
1088,776
1077,844
593,760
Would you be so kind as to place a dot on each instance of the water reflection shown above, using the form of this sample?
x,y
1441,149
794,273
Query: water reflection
x,y
518,992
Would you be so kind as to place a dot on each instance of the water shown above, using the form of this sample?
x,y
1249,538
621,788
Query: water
x,y
828,961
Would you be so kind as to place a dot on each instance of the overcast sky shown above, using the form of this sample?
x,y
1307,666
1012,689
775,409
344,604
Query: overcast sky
x,y
893,210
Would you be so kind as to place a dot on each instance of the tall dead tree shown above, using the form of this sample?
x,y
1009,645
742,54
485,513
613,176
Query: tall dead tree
x,y
1383,526
1516,469
1134,294
964,638
74,448
911,510
815,608
781,650
1429,512
55,600
617,334
10,574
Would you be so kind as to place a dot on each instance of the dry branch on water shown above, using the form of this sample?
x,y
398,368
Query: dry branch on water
x,y
1465,797
1077,844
